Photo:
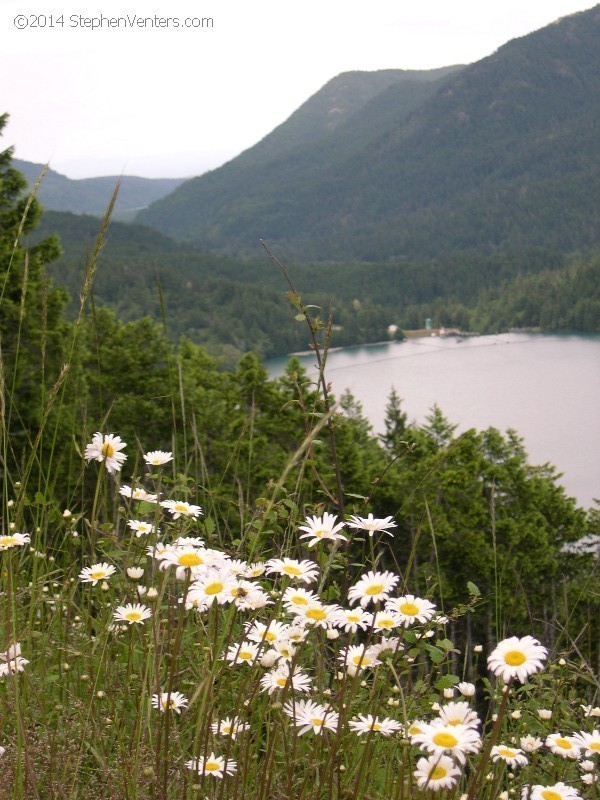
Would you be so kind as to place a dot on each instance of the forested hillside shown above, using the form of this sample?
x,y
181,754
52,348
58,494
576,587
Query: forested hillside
x,y
500,156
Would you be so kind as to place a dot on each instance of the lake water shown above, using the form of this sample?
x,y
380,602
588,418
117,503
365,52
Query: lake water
x,y
546,387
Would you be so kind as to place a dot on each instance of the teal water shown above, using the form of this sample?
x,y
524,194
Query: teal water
x,y
546,387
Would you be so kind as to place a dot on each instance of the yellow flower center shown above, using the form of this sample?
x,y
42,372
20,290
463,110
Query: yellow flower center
x,y
514,658
386,622
316,720
95,576
290,570
361,659
594,746
437,773
376,726
506,752
454,722
564,743
353,618
213,588
319,533
270,636
548,794
212,766
133,616
446,740
281,681
374,588
316,613
409,609
414,729
299,600
108,450
245,654
189,560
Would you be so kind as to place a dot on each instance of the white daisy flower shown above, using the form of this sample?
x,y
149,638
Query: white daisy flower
x,y
315,615
13,540
138,494
530,743
436,772
133,613
97,572
305,571
459,713
589,742
273,632
454,740
214,586
372,525
351,619
180,508
411,609
358,657
280,677
466,689
386,621
142,528
217,766
510,755
319,528
560,791
244,653
229,726
254,570
169,701
565,746
106,449
156,458
366,723
308,715
294,598
517,658
12,661
372,587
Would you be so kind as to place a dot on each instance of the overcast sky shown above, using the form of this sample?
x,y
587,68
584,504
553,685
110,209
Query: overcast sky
x,y
174,101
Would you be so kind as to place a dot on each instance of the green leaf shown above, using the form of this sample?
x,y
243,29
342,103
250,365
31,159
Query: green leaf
x,y
473,589
435,654
446,682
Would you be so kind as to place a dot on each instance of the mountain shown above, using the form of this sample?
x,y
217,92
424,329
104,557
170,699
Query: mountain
x,y
92,195
498,156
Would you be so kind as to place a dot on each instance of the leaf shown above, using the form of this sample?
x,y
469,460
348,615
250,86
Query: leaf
x,y
446,682
473,589
435,654
300,317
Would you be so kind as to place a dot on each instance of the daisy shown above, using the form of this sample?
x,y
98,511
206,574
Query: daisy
x,y
411,609
372,525
466,689
217,766
169,701
305,571
179,508
565,746
560,791
195,559
280,677
97,572
372,587
294,599
229,726
442,739
273,632
106,449
510,755
366,723
141,528
308,715
319,528
590,742
530,743
133,613
358,657
214,586
386,621
459,713
13,540
390,644
316,615
254,570
436,772
591,711
12,660
247,596
244,653
517,658
156,458
138,494
351,619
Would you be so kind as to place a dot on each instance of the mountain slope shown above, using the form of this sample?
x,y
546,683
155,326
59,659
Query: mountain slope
x,y
501,155
92,195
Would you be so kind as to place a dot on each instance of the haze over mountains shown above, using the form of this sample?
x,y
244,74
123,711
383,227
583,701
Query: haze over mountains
x,y
501,155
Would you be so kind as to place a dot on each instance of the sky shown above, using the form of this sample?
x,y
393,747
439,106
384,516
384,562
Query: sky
x,y
172,88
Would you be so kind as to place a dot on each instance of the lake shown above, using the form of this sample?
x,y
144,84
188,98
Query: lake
x,y
546,387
